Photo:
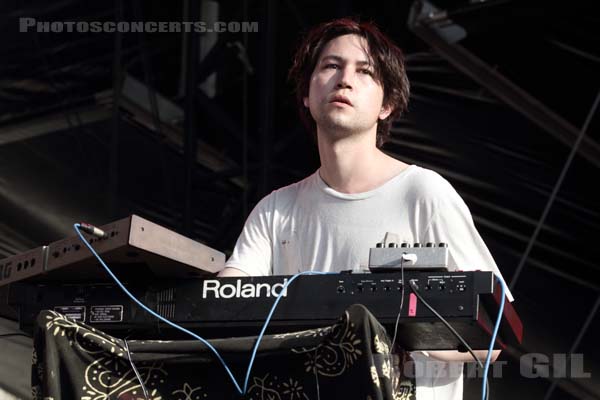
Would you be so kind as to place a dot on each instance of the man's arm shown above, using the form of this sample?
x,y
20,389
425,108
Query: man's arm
x,y
252,253
454,355
231,272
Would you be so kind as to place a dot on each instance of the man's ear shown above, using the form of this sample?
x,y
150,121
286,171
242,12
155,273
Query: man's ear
x,y
305,101
385,112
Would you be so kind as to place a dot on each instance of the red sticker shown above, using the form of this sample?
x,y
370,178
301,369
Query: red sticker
x,y
412,305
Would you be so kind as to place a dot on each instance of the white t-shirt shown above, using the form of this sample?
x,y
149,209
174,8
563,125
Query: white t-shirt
x,y
310,226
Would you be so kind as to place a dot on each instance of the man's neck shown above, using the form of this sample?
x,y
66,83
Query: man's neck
x,y
354,164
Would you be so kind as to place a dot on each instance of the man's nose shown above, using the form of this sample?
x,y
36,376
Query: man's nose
x,y
345,79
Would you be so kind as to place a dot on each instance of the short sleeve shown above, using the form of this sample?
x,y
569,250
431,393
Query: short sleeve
x,y
253,250
452,223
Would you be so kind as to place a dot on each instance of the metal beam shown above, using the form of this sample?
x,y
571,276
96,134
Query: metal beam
x,y
576,343
51,123
191,123
113,155
267,91
424,25
132,110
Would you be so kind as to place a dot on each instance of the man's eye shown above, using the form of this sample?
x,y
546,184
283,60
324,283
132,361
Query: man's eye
x,y
366,71
331,66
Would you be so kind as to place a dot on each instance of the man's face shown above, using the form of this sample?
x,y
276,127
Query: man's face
x,y
343,97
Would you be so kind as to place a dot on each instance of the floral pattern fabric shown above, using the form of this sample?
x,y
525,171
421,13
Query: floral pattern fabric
x,y
351,360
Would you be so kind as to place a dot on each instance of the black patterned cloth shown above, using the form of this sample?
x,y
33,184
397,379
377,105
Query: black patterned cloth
x,y
348,360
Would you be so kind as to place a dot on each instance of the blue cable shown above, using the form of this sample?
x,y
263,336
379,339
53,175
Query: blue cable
x,y
202,340
160,317
260,336
494,334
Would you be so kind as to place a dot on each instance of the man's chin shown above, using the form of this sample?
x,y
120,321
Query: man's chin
x,y
339,123
335,134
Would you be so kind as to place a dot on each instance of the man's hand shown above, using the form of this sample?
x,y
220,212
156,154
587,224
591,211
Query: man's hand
x,y
231,272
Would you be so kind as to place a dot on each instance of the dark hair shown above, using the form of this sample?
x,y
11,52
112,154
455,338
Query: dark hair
x,y
387,59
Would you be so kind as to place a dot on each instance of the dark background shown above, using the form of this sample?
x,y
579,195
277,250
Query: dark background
x,y
500,92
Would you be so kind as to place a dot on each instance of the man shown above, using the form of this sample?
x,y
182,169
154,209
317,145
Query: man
x,y
350,85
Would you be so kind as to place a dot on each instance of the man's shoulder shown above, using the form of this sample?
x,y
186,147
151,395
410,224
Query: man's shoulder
x,y
289,193
426,182
296,187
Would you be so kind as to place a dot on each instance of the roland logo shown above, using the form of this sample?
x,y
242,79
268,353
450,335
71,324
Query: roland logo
x,y
215,289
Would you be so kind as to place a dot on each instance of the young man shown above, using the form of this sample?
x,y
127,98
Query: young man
x,y
350,85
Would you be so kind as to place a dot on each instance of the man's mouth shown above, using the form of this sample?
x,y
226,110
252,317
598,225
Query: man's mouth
x,y
341,99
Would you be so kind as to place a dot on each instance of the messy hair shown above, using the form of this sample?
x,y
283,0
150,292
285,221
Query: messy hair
x,y
387,60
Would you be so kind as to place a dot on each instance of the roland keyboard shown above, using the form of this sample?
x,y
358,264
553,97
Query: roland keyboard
x,y
227,307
